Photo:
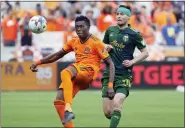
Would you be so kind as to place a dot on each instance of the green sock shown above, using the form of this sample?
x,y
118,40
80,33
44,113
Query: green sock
x,y
116,115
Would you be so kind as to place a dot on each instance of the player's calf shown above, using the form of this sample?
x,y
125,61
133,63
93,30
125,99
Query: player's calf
x,y
107,107
60,107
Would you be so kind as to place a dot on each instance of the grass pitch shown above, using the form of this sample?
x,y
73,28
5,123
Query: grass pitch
x,y
158,108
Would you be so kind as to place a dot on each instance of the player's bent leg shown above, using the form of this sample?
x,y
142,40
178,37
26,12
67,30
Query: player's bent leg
x,y
60,107
107,103
107,107
66,77
121,94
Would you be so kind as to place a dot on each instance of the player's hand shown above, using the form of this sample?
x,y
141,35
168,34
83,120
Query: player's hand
x,y
111,93
108,47
128,63
33,67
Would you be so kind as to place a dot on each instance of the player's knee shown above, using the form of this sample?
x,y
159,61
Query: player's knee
x,y
107,112
60,95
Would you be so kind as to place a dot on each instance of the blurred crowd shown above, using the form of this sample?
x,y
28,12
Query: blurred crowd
x,y
160,23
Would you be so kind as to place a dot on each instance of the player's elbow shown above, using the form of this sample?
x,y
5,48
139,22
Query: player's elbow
x,y
111,67
146,54
109,64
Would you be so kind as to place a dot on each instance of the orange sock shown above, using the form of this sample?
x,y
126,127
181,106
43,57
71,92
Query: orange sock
x,y
67,84
60,107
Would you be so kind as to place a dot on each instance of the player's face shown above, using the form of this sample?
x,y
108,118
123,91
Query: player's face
x,y
121,18
82,29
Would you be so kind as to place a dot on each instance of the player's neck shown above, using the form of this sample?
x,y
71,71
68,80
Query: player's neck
x,y
83,40
123,26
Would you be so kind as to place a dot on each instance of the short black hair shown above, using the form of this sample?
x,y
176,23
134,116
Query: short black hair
x,y
128,7
83,18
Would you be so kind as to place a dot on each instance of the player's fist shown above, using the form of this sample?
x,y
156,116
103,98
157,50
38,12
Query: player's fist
x,y
108,47
111,93
127,63
33,68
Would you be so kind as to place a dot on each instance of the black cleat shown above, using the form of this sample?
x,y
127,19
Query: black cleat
x,y
68,116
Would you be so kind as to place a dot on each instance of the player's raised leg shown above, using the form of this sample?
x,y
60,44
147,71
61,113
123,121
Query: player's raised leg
x,y
66,76
60,104
60,107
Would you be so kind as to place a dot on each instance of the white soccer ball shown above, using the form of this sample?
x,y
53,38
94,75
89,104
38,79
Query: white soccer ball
x,y
37,24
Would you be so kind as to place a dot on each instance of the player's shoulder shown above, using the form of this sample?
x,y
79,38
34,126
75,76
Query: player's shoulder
x,y
95,38
134,31
112,28
73,39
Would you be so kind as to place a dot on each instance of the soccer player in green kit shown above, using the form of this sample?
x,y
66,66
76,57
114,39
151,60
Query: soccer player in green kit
x,y
120,41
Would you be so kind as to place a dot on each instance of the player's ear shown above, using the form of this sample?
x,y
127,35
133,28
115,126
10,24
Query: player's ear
x,y
89,26
128,18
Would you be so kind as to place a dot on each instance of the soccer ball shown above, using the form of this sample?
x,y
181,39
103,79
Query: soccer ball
x,y
37,24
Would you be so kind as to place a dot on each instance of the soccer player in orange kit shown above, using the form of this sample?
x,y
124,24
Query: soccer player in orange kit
x,y
89,51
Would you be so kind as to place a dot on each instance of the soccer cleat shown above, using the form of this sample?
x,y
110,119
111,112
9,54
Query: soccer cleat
x,y
68,116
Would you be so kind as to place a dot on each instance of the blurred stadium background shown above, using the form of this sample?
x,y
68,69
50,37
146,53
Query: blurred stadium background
x,y
157,95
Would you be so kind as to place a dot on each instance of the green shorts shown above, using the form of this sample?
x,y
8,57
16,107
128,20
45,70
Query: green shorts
x,y
121,85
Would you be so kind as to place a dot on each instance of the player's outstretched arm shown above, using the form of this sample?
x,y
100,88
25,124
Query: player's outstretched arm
x,y
53,57
111,68
48,59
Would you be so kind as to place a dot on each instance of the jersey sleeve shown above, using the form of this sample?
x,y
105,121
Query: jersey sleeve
x,y
106,37
68,47
140,44
100,48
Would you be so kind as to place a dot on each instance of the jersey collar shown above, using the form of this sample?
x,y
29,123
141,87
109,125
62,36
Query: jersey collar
x,y
86,39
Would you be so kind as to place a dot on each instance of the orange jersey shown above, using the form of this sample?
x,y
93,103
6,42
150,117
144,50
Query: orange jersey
x,y
89,53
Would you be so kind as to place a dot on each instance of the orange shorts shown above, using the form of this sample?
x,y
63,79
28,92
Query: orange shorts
x,y
83,79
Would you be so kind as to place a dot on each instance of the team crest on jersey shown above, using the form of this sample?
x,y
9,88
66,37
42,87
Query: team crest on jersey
x,y
111,34
125,38
87,50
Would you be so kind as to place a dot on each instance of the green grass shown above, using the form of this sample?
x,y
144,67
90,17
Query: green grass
x,y
141,109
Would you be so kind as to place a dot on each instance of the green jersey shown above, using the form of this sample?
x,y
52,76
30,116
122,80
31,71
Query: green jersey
x,y
124,42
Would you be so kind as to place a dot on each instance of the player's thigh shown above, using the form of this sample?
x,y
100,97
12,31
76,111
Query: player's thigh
x,y
84,76
118,101
73,70
122,85
76,89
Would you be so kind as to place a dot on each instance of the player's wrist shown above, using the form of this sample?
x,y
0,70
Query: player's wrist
x,y
133,62
38,62
110,85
